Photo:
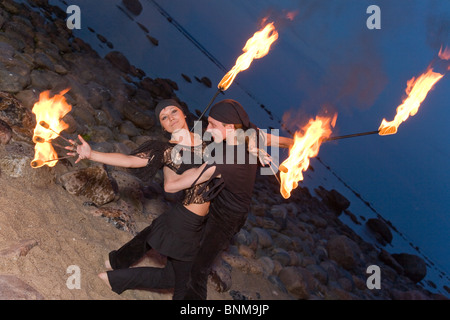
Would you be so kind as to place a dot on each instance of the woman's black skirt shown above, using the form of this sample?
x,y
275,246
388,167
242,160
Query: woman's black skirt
x,y
177,233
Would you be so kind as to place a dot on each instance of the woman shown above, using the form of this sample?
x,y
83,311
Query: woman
x,y
175,233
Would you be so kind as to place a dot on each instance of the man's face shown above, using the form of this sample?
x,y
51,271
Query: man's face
x,y
218,130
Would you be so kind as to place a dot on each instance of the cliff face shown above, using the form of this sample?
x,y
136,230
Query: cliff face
x,y
73,215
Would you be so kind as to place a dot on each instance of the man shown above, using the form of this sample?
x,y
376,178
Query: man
x,y
231,185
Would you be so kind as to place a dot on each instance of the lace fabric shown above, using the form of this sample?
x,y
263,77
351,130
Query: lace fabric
x,y
178,158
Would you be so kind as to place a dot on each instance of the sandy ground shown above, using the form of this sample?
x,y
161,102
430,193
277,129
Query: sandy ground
x,y
67,234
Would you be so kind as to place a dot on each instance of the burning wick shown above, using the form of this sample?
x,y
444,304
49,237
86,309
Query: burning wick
x,y
46,126
40,163
38,139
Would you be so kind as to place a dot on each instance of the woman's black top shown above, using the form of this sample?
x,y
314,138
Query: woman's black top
x,y
178,158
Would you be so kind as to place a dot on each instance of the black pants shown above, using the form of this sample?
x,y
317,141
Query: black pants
x,y
174,275
219,230
176,272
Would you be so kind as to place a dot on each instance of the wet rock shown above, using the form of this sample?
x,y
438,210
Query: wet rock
x,y
390,261
134,6
333,199
119,61
187,78
414,266
153,40
380,229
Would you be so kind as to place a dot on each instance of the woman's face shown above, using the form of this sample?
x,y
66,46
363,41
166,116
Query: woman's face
x,y
172,119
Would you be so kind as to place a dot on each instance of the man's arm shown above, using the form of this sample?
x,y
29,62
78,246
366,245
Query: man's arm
x,y
276,141
175,182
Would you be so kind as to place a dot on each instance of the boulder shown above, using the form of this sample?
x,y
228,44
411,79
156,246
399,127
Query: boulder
x,y
414,266
333,199
380,229
344,251
134,6
94,183
298,281
119,61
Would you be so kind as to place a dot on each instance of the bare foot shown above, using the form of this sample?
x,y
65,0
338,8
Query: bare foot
x,y
108,265
104,277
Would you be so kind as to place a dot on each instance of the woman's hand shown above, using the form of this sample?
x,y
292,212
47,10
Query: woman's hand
x,y
84,150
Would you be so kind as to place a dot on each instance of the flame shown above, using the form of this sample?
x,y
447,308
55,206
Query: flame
x,y
292,14
416,90
305,147
256,47
51,111
444,54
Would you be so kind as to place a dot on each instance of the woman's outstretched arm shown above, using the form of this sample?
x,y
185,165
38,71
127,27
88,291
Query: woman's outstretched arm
x,y
84,151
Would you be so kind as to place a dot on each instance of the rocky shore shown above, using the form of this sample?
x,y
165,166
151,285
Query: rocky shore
x,y
288,249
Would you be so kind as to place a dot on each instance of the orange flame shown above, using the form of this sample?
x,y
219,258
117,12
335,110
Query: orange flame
x,y
444,54
292,14
305,146
416,90
256,47
51,111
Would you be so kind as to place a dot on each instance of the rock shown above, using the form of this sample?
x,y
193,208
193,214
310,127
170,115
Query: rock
x,y
414,266
130,189
119,217
129,129
220,275
408,295
28,98
153,40
206,81
242,237
242,263
344,251
15,289
333,199
267,265
296,281
263,237
93,183
142,119
41,60
380,229
12,82
390,261
187,78
282,256
119,61
5,132
17,249
134,6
